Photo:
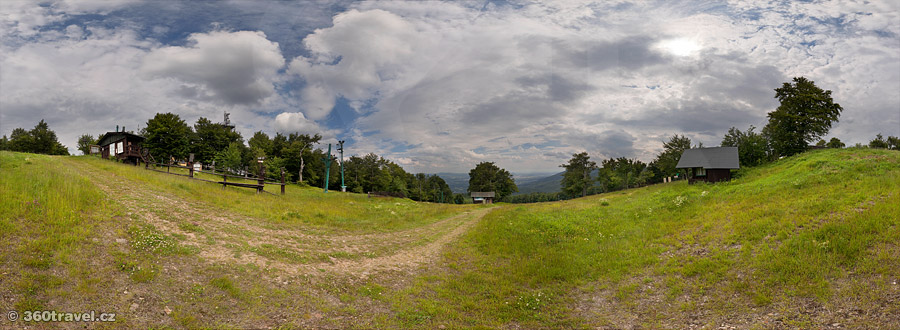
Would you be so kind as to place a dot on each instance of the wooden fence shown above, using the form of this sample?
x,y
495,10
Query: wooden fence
x,y
259,185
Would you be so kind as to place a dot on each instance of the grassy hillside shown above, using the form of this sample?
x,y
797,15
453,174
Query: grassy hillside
x,y
808,241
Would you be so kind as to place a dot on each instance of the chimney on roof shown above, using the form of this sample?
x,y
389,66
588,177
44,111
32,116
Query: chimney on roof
x,y
117,128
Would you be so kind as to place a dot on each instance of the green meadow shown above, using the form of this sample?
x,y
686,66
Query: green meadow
x,y
810,241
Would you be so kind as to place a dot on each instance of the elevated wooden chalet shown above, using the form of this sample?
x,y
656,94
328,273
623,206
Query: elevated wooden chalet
x,y
121,145
709,164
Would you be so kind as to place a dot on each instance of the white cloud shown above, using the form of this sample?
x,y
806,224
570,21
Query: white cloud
x,y
229,67
296,122
526,85
446,79
90,82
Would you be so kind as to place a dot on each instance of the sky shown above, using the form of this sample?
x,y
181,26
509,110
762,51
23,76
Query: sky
x,y
441,86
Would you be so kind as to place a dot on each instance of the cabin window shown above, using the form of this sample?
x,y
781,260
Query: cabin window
x,y
701,172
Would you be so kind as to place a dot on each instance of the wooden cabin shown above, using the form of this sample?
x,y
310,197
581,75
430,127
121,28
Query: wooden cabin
x,y
483,197
121,145
709,164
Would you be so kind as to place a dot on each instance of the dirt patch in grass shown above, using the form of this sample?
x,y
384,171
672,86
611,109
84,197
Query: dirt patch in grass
x,y
247,272
221,237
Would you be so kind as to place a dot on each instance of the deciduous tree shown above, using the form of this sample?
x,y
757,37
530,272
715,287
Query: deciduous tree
x,y
577,178
85,142
167,136
879,142
230,158
835,143
488,177
40,140
751,146
211,138
671,153
805,114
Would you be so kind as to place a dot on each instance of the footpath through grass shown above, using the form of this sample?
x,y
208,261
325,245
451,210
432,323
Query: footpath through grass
x,y
819,229
302,207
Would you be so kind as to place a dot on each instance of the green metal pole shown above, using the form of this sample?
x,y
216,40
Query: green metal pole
x,y
327,161
341,148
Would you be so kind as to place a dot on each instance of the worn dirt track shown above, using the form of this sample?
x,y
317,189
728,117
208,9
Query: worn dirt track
x,y
396,251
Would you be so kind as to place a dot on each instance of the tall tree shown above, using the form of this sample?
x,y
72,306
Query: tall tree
x,y
373,173
751,146
672,150
577,178
167,136
229,159
85,142
835,143
20,140
893,142
488,177
260,142
211,138
278,143
296,152
45,141
3,142
624,173
40,140
437,190
805,114
879,142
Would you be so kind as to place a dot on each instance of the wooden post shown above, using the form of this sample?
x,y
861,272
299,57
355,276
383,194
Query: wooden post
x,y
260,180
190,164
282,180
224,179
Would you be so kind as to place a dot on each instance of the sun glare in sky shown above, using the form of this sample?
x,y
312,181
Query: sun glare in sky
x,y
680,46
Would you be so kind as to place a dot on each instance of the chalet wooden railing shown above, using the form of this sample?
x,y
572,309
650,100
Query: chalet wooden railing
x,y
131,150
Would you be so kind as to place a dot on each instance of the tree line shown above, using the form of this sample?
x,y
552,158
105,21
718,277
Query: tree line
x,y
39,140
805,114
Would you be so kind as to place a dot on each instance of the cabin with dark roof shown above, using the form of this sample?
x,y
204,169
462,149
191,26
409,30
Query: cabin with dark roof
x,y
121,145
709,164
483,197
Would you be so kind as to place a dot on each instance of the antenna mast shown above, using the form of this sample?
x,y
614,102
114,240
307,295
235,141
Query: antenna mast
x,y
227,122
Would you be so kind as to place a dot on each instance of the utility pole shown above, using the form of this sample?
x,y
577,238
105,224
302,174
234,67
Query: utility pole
x,y
341,149
327,161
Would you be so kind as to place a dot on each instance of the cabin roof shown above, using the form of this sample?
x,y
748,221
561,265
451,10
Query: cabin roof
x,y
483,194
113,137
710,158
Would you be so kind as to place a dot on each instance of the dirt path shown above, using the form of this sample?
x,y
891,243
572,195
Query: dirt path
x,y
223,237
410,257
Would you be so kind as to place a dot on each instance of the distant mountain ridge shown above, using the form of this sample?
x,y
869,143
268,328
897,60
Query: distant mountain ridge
x,y
547,184
527,182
